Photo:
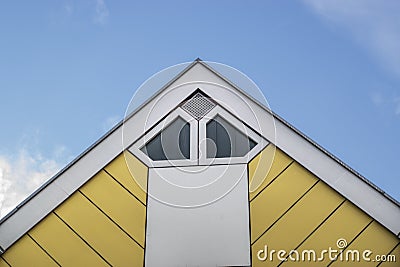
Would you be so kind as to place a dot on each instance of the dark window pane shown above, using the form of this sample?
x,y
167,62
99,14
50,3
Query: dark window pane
x,y
184,141
219,143
224,140
171,143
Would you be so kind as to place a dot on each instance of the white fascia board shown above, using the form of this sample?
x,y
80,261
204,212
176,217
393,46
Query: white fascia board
x,y
60,187
68,181
29,214
348,184
317,161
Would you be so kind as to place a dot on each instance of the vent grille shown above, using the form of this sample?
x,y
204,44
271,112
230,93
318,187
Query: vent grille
x,y
198,106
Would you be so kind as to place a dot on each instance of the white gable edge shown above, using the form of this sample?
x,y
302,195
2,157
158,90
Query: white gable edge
x,y
345,184
40,203
276,116
328,169
335,173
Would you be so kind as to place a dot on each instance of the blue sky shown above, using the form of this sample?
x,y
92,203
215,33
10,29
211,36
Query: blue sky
x,y
68,70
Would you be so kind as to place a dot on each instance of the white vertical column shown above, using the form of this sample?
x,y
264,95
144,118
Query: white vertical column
x,y
198,216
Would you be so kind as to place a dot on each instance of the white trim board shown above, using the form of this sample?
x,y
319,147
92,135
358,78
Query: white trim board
x,y
340,177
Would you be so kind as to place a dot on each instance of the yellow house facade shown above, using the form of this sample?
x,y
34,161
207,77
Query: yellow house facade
x,y
202,174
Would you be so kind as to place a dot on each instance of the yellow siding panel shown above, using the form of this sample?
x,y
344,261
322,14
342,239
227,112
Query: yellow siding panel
x,y
265,167
27,253
100,232
298,222
272,202
347,222
375,238
124,209
3,263
393,262
63,244
131,173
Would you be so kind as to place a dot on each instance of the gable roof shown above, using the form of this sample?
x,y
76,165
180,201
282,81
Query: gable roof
x,y
316,159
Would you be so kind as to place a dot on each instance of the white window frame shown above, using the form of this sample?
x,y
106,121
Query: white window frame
x,y
140,143
198,144
218,111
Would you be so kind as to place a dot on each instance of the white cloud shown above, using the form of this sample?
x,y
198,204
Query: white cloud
x,y
397,104
69,8
377,98
390,102
22,174
92,11
375,25
102,13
